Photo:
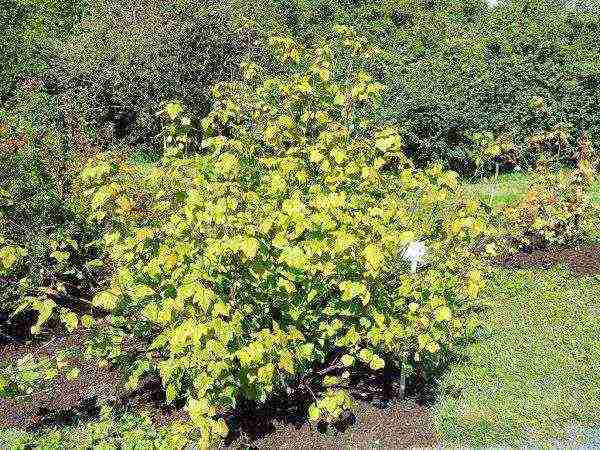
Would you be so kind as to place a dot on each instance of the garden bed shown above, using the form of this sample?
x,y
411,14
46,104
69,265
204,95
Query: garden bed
x,y
583,261
380,420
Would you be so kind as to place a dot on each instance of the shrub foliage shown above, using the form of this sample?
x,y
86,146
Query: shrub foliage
x,y
128,56
43,236
275,259
557,204
29,32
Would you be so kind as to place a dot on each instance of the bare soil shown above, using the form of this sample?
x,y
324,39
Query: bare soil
x,y
380,419
394,424
583,261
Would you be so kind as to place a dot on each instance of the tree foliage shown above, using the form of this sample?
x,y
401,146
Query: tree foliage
x,y
126,57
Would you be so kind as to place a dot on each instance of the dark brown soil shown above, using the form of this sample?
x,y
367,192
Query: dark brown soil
x,y
381,420
398,424
67,401
63,400
583,261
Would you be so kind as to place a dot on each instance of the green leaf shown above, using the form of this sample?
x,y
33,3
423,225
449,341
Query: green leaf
x,y
348,360
221,428
87,321
171,393
249,247
314,413
94,264
373,256
50,374
159,341
70,319
443,313
141,291
45,309
173,110
100,197
330,381
60,256
221,309
204,298
365,355
187,290
72,374
377,363
293,257
105,300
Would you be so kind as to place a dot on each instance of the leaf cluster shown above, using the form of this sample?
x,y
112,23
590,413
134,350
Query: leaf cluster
x,y
274,260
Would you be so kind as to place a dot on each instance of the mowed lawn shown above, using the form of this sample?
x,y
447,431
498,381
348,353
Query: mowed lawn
x,y
508,188
533,375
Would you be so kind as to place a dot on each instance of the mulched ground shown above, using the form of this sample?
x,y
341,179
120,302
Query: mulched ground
x,y
69,401
64,400
583,261
393,425
381,421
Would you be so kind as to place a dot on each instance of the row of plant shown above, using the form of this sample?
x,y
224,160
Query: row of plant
x,y
297,249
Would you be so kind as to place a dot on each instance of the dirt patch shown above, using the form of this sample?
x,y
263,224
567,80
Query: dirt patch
x,y
63,401
398,424
583,261
379,419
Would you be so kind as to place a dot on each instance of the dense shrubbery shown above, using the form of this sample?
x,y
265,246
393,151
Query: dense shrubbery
x,y
455,69
128,56
275,260
290,240
29,33
515,71
42,232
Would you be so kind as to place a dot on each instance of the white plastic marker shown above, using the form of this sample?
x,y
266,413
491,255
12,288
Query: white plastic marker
x,y
415,253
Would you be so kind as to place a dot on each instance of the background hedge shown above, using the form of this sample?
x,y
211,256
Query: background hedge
x,y
453,67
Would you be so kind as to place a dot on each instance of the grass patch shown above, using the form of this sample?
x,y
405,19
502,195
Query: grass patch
x,y
504,189
509,187
532,375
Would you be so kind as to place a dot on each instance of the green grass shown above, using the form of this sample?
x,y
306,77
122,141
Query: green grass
x,y
508,188
504,189
535,373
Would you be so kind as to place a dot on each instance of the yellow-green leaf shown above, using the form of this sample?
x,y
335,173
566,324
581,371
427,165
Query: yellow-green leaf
x,y
374,256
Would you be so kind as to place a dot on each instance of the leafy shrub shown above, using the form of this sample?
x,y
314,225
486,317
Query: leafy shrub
x,y
486,74
128,56
42,232
110,431
30,373
275,261
29,31
494,152
557,203
455,69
